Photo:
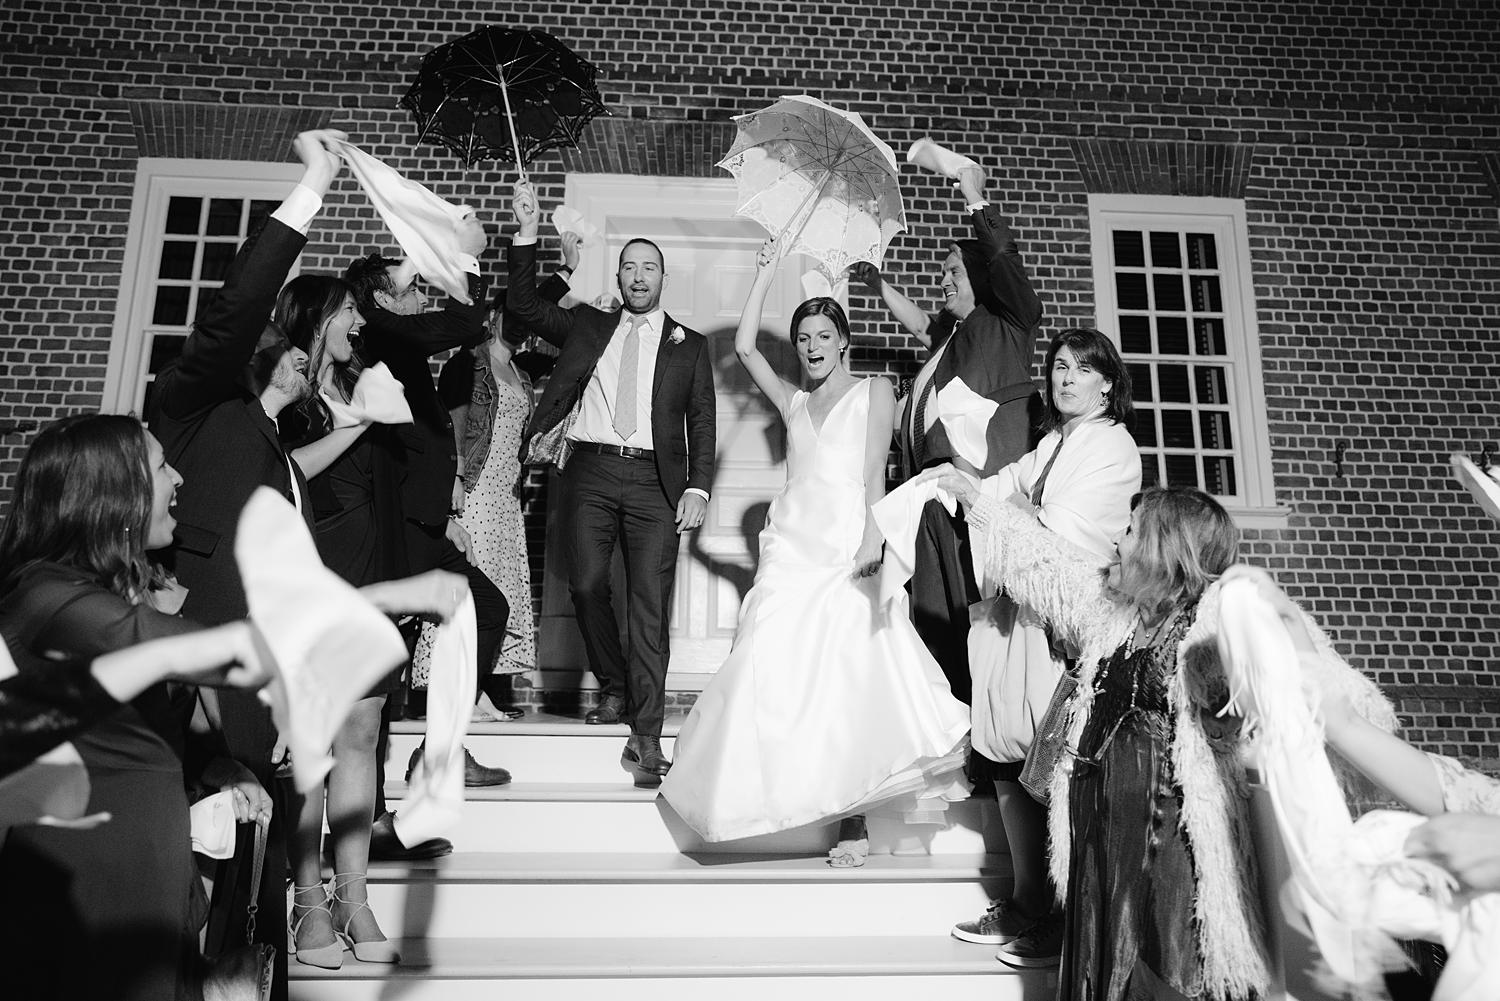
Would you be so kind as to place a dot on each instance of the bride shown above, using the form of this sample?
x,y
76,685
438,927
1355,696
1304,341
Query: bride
x,y
828,703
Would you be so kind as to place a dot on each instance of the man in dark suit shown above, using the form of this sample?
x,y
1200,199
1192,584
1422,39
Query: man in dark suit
x,y
984,335
632,400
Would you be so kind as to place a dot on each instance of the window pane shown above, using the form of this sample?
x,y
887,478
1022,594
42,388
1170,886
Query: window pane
x,y
1218,475
224,217
1165,251
1214,425
216,260
164,349
176,259
1140,382
1144,431
1135,335
1130,291
1206,297
1210,336
1177,429
1172,335
1202,254
182,215
1212,386
1182,470
171,307
1150,471
1172,380
1169,294
150,393
1128,250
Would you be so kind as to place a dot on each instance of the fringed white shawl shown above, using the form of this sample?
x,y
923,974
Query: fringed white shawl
x,y
1061,584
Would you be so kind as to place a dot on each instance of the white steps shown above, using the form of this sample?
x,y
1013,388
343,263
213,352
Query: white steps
x,y
558,878
682,897
686,969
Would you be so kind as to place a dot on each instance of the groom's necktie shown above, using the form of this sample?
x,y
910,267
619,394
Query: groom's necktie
x,y
625,389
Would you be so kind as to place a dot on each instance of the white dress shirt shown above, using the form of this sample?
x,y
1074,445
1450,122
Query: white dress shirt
x,y
596,416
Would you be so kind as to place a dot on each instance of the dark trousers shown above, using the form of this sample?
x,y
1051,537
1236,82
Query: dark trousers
x,y
428,548
942,589
608,500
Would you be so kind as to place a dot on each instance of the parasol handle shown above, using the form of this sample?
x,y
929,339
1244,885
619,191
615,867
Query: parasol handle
x,y
510,119
798,219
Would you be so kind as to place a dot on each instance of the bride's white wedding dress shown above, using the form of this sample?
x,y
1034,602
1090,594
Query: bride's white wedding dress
x,y
828,704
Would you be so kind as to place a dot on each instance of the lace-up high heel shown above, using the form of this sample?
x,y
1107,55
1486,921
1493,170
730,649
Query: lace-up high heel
x,y
380,950
328,957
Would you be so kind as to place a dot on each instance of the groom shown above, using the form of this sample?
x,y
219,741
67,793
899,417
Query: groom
x,y
629,409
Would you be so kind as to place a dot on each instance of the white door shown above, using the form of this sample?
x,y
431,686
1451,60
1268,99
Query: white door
x,y
710,260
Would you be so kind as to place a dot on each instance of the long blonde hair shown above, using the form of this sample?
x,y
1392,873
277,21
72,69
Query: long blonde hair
x,y
1184,541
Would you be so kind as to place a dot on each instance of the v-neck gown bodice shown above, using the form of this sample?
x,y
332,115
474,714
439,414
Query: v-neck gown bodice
x,y
829,703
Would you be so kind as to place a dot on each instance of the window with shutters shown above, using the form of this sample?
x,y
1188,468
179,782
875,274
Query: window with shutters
x,y
1172,286
187,221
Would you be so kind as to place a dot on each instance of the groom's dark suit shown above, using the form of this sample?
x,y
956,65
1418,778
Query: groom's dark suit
x,y
608,496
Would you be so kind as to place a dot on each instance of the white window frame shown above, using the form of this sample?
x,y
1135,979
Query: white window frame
x,y
1255,505
157,180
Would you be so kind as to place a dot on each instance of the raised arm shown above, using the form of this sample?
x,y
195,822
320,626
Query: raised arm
x,y
1006,274
877,451
211,367
745,336
906,312
550,321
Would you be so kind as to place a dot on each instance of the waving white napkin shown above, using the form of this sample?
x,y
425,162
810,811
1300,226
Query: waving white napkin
x,y
966,416
569,220
211,824
422,223
435,797
330,643
379,398
898,515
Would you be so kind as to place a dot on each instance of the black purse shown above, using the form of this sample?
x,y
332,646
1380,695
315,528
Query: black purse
x,y
245,973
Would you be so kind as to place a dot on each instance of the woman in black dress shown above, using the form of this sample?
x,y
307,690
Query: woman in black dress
x,y
108,912
351,500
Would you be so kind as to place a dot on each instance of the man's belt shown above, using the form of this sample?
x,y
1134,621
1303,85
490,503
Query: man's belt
x,y
623,451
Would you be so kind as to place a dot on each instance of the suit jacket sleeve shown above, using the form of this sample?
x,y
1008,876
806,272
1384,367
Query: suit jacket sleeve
x,y
701,426
1007,274
456,325
550,321
211,367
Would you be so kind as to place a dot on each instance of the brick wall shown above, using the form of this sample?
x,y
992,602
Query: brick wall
x,y
1363,138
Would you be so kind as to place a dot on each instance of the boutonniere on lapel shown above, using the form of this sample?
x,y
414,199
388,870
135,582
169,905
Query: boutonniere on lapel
x,y
676,336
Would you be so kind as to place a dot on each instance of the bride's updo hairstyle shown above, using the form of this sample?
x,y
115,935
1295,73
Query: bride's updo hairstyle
x,y
823,306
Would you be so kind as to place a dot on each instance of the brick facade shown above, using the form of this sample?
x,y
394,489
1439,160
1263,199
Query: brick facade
x,y
1363,138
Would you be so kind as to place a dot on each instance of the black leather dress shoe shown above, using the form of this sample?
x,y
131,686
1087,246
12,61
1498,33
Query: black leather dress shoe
x,y
643,753
476,776
386,847
611,709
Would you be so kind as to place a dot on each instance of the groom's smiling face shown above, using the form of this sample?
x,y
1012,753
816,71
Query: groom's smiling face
x,y
642,275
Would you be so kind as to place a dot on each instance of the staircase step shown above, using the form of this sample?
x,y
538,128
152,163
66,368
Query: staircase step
x,y
535,748
548,894
590,816
725,969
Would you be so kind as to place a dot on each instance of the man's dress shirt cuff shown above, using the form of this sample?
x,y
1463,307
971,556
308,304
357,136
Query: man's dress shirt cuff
x,y
298,210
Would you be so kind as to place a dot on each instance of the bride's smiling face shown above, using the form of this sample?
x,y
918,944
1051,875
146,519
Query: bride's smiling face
x,y
819,348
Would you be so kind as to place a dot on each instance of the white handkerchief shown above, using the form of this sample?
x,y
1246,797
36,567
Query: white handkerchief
x,y
966,417
570,220
330,643
434,800
898,515
378,398
422,223
211,825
